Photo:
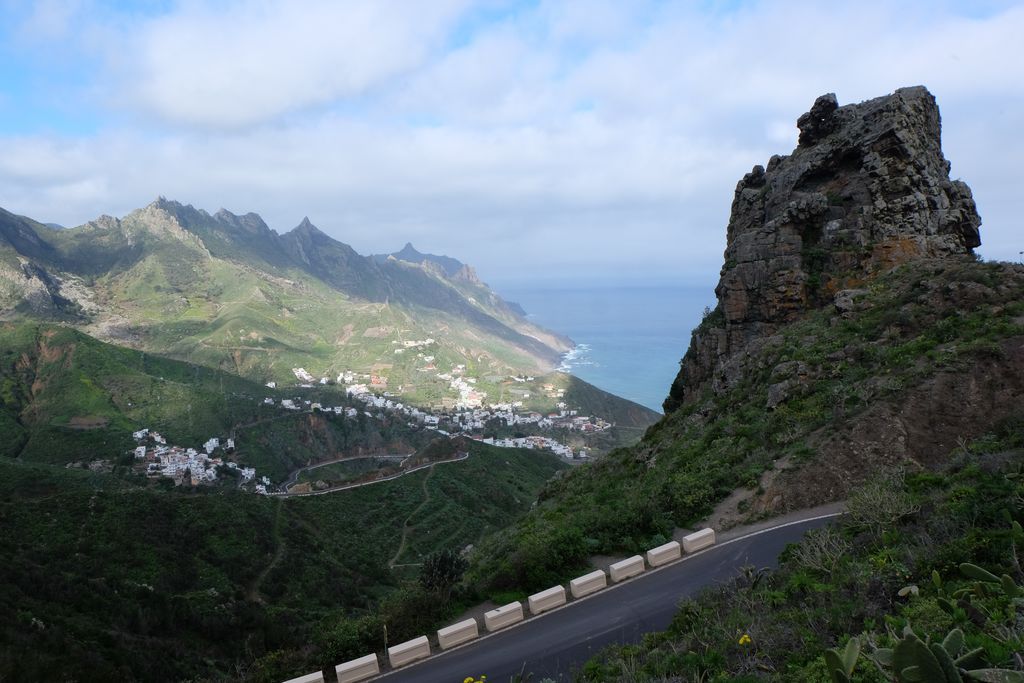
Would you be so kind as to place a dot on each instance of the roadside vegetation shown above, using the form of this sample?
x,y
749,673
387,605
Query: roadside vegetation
x,y
934,552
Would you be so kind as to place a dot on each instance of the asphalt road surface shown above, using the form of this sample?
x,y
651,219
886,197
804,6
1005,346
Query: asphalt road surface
x,y
556,644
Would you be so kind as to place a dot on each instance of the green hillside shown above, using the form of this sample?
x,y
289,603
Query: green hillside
x,y
66,396
103,580
69,398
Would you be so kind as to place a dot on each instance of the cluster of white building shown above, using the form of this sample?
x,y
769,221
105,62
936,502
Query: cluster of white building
x,y
535,442
469,420
413,344
188,465
470,414
469,397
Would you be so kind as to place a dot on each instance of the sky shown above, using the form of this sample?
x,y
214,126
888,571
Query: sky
x,y
561,141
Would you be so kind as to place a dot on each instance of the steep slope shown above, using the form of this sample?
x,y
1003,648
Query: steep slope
x,y
228,292
463,278
66,396
855,333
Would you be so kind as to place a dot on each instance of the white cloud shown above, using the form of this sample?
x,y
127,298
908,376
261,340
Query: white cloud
x,y
50,20
247,63
556,139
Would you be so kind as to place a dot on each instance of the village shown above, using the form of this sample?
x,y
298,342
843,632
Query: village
x,y
469,417
188,466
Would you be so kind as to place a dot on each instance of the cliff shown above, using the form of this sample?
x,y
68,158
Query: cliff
x,y
866,189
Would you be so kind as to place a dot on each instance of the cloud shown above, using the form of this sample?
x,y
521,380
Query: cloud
x,y
247,63
568,138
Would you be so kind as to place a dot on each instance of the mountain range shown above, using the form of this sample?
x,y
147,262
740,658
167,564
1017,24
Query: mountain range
x,y
226,291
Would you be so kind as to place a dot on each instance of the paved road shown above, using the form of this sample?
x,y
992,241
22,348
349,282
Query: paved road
x,y
556,644
294,476
462,455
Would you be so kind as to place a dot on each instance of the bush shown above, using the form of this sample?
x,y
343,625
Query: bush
x,y
350,638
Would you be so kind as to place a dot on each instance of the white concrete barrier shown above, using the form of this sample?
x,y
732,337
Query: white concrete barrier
x,y
664,554
456,634
503,616
545,600
409,651
358,669
315,677
588,583
631,566
699,540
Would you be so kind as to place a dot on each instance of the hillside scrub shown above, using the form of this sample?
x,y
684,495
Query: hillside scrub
x,y
869,576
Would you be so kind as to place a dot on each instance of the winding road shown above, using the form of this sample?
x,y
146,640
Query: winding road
x,y
345,487
294,476
556,644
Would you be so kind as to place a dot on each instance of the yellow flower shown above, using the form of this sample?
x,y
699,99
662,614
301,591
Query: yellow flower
x,y
745,639
468,679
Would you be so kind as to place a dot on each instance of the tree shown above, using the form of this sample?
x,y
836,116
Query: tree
x,y
441,571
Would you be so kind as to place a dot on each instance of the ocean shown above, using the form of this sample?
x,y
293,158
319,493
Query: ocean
x,y
630,339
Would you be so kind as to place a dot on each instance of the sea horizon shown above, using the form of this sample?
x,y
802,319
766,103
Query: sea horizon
x,y
629,337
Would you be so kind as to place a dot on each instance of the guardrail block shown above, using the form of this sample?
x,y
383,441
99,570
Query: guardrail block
x,y
456,634
588,583
358,669
699,540
631,566
409,651
545,600
503,616
315,677
664,554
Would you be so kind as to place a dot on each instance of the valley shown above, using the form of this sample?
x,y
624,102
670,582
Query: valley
x,y
177,399
235,454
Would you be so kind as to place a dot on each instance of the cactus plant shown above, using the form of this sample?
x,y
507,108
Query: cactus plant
x,y
913,660
840,664
973,571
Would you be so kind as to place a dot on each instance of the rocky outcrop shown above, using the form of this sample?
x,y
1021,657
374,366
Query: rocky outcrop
x,y
866,189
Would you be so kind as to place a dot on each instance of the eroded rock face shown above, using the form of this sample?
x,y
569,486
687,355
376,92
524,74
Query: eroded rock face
x,y
866,189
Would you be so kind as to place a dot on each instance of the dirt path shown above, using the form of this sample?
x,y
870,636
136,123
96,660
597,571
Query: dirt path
x,y
254,590
405,525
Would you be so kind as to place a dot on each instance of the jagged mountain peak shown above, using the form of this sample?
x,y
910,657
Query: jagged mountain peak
x,y
306,226
448,266
247,223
